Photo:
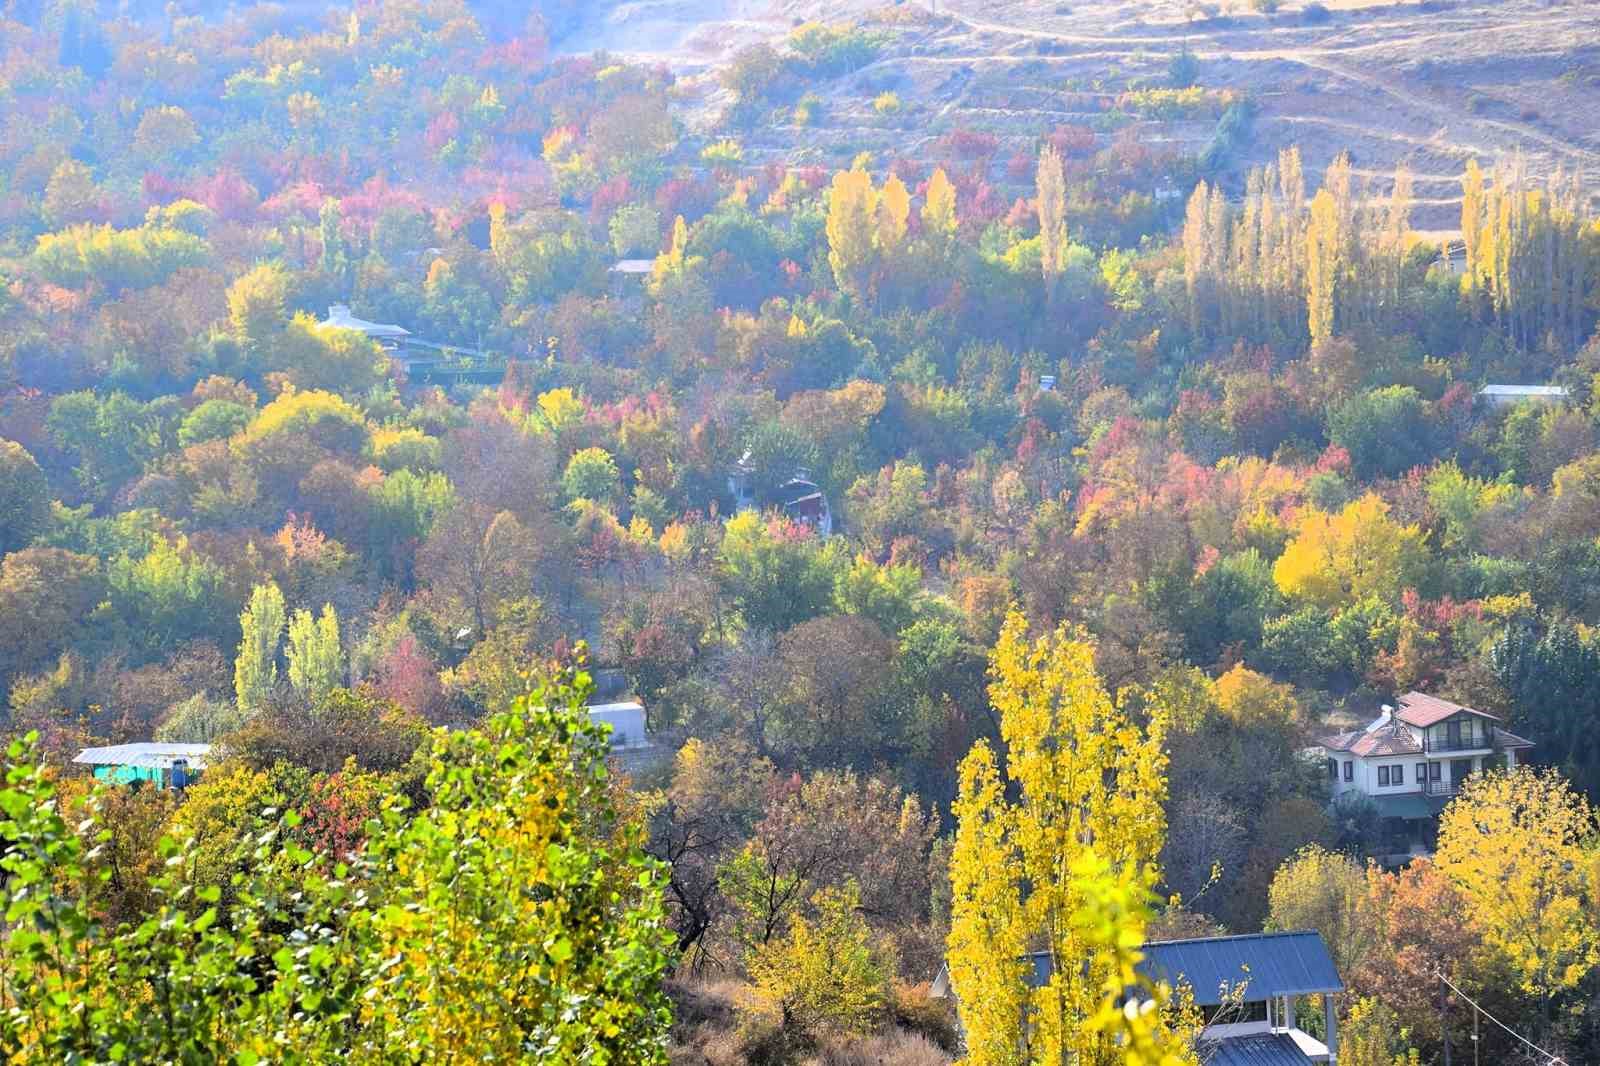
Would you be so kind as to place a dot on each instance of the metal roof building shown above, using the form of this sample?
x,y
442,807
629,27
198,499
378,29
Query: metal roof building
x,y
1253,980
1268,965
159,764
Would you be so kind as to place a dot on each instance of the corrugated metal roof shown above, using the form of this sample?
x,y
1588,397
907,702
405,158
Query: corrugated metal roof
x,y
146,754
1268,964
1524,390
1265,1049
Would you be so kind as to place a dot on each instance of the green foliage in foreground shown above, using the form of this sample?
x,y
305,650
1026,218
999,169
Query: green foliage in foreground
x,y
513,918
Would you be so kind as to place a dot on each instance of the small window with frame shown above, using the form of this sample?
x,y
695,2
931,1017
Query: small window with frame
x,y
1349,770
1422,772
1383,775
1397,775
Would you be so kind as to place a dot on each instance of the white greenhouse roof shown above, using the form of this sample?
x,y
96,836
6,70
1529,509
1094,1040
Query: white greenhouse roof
x,y
145,754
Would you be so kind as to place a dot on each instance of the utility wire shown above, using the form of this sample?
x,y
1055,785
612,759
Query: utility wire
x,y
1553,1060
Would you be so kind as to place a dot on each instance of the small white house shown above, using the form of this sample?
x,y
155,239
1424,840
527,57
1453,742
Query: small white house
x,y
627,724
1498,396
1412,758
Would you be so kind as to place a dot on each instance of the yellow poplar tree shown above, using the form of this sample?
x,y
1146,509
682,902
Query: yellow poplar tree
x,y
1472,218
894,214
1322,264
939,208
852,203
1065,867
1518,848
1052,192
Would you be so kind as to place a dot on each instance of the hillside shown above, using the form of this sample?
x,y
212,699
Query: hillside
x,y
1428,85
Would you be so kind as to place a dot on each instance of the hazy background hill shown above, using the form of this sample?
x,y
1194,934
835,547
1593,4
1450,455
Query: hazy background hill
x,y
1427,84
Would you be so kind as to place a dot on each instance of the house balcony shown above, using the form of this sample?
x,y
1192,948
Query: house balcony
x,y
1442,789
1460,745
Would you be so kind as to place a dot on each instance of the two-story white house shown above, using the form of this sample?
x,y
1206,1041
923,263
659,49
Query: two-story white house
x,y
1414,756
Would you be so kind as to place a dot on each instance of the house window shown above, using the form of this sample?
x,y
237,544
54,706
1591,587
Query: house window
x,y
1422,773
1349,770
1434,769
1383,775
1333,769
1397,776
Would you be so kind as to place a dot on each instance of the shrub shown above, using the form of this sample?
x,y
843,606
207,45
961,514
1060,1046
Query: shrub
x,y
886,104
1315,13
808,110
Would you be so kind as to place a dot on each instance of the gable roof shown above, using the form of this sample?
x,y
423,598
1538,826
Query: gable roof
x,y
1267,964
1422,710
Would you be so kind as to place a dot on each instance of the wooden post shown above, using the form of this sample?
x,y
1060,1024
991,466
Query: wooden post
x,y
1330,1021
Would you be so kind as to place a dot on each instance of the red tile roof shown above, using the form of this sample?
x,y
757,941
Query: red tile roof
x,y
1381,741
1422,711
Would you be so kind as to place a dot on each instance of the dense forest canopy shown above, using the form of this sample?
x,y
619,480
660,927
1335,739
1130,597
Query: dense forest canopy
x,y
1200,455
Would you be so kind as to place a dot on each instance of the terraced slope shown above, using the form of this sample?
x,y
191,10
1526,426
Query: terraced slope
x,y
1427,84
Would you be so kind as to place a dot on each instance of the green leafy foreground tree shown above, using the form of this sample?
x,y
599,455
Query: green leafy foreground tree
x,y
514,918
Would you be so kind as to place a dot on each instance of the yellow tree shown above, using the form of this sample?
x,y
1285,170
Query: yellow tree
x,y
1519,849
1323,254
894,215
939,208
1065,867
1052,193
1472,218
852,203
1335,560
1372,1036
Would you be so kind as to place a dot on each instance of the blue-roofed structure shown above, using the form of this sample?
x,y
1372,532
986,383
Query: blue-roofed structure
x,y
1261,1049
1248,986
1266,964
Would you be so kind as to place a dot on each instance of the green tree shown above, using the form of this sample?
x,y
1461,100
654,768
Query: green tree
x,y
523,841
255,671
1386,431
24,497
316,657
591,474
775,581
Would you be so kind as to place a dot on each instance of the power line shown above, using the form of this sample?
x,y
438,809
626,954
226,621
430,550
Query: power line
x,y
1552,1060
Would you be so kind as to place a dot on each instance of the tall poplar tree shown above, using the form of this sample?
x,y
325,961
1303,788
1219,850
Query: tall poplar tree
x,y
1052,204
1056,851
255,671
852,204
316,658
939,208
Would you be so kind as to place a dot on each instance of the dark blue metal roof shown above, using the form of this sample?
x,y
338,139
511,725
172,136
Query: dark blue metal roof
x,y
1263,1049
1267,964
